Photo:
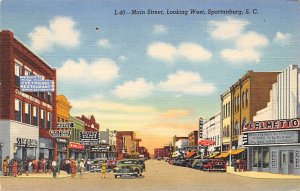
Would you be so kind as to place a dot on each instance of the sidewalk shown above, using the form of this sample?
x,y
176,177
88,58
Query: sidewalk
x,y
63,174
262,175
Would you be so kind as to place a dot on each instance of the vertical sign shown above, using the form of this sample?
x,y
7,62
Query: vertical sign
x,y
200,127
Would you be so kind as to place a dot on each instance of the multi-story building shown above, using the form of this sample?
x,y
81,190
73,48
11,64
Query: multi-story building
x,y
226,114
76,150
249,94
25,117
212,131
273,138
144,152
175,139
181,145
159,153
90,124
193,139
109,138
63,108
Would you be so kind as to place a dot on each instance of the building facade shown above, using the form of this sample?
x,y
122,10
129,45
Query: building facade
x,y
212,131
226,114
273,137
125,144
25,117
109,138
77,150
193,139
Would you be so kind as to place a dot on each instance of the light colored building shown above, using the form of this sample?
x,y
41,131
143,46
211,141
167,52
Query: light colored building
x,y
109,138
181,144
212,131
226,115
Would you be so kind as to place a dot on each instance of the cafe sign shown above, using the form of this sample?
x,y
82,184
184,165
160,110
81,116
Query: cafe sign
x,y
272,125
272,137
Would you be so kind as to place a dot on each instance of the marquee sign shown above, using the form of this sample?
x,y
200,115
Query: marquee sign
x,y
272,125
272,137
60,133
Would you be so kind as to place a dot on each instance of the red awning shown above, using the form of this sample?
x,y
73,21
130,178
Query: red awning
x,y
190,154
206,142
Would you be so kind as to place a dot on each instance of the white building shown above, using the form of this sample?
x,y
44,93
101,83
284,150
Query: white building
x,y
212,131
109,138
181,144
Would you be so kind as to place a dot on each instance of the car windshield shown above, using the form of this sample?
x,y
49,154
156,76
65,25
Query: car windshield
x,y
128,162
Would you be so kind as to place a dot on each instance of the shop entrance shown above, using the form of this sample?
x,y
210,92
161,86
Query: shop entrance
x,y
287,162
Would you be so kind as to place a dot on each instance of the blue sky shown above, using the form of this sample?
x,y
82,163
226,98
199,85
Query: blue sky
x,y
154,74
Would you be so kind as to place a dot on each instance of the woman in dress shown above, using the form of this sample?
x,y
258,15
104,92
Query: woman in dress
x,y
5,167
73,168
15,168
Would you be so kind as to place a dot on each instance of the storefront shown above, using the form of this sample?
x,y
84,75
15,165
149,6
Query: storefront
x,y
62,151
46,149
76,151
25,149
273,146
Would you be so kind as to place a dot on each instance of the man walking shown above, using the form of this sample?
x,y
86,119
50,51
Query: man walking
x,y
54,168
81,168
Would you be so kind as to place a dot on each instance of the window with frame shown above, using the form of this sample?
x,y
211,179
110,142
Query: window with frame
x,y
49,97
35,118
49,120
27,113
18,73
18,110
43,118
246,98
266,157
238,102
236,128
255,157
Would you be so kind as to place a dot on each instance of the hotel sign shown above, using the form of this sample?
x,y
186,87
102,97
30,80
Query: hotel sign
x,y
272,125
273,137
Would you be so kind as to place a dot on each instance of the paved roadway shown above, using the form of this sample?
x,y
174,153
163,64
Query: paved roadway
x,y
159,176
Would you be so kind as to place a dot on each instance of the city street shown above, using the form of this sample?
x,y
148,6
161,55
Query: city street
x,y
159,175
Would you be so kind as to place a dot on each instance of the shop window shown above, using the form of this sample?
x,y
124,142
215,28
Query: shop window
x,y
297,159
291,157
27,113
18,110
255,156
266,157
35,116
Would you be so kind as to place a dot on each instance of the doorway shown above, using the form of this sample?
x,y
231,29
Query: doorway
x,y
287,162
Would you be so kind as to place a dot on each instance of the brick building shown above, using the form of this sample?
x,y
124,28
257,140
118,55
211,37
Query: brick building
x,y
25,117
193,139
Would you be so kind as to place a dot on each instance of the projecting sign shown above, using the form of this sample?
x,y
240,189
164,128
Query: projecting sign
x,y
36,84
65,124
60,133
89,137
275,137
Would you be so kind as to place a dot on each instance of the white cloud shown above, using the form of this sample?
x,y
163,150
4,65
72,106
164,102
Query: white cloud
x,y
134,89
251,40
162,51
104,43
229,29
282,37
60,31
194,52
159,29
239,56
98,71
169,53
186,82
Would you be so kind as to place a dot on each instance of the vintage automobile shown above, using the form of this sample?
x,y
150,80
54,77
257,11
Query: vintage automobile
x,y
128,167
215,165
142,163
96,165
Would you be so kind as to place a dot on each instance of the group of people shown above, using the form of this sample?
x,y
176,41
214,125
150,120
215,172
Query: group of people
x,y
16,167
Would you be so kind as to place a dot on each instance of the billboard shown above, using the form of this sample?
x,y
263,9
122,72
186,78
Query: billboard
x,y
89,137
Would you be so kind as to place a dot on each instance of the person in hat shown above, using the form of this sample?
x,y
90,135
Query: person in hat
x,y
81,168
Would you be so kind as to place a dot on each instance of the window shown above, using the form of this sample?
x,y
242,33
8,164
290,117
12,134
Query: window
x,y
27,113
242,99
238,102
18,110
35,116
244,122
43,120
229,109
49,97
255,157
49,120
236,128
246,98
266,157
228,131
18,73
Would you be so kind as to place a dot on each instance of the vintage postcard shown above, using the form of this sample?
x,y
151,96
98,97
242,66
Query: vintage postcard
x,y
170,95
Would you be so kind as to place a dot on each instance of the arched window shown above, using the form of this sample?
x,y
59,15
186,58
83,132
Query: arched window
x,y
244,122
243,99
246,97
224,131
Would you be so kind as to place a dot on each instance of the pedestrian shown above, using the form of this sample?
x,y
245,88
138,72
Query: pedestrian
x,y
35,166
81,167
44,162
15,168
54,168
30,166
88,164
73,168
48,167
68,166
5,166
20,167
103,169
10,167
27,167
40,166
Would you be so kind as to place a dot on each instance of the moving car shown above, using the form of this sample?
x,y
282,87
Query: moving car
x,y
128,167
96,165
215,165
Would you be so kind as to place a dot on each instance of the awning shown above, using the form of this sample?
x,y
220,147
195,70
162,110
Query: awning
x,y
174,155
223,155
213,155
190,154
197,157
237,151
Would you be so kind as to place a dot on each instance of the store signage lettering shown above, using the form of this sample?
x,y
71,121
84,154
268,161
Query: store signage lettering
x,y
59,133
274,137
100,148
23,142
65,124
272,125
31,98
36,84
89,137
78,146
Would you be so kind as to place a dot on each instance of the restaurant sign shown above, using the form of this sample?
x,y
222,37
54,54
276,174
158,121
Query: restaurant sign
x,y
73,145
273,137
272,125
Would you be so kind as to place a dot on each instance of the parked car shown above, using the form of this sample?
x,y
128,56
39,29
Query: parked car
x,y
111,164
128,167
215,165
96,165
198,163
142,163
